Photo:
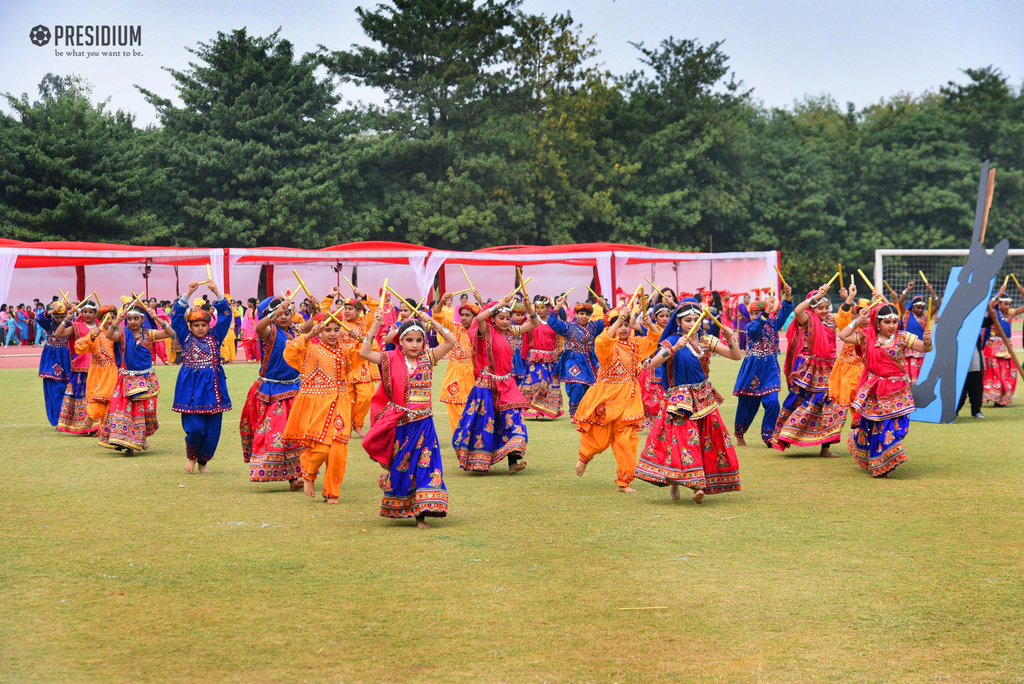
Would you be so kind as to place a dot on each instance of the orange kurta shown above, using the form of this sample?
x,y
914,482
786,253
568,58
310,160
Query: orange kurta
x,y
321,416
458,376
612,410
845,377
363,373
102,377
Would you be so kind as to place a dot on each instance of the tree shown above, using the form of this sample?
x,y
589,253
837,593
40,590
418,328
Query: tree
x,y
255,155
687,128
71,170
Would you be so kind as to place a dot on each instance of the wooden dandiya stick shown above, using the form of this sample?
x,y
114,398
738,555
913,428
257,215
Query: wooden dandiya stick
x,y
781,279
596,296
209,274
866,280
522,287
570,291
712,317
302,284
467,277
840,267
383,291
928,316
697,324
891,291
921,273
1006,281
829,283
348,281
1015,282
468,289
94,294
64,295
394,293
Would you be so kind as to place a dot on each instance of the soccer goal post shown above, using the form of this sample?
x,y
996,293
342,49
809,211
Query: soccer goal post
x,y
896,268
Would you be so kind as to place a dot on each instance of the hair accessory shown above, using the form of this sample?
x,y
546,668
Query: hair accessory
x,y
413,328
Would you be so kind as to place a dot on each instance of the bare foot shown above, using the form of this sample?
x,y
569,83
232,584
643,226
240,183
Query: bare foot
x,y
827,453
422,524
740,441
698,496
307,486
296,484
190,465
520,465
581,467
674,491
627,490
204,470
331,500
129,452
359,431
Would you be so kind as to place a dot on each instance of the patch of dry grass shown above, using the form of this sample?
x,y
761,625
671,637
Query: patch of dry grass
x,y
129,570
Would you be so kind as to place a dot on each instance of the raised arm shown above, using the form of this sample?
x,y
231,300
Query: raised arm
x,y
366,351
441,350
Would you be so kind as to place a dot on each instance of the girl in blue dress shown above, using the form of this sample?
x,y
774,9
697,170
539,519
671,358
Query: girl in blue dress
x,y
577,365
54,362
201,392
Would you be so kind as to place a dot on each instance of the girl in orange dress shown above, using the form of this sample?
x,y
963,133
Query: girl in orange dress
x,y
612,410
102,376
321,417
845,377
458,376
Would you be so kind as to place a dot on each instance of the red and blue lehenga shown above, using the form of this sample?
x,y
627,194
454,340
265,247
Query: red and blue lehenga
x,y
759,380
201,391
491,426
54,367
541,387
809,416
265,414
131,417
914,359
688,444
884,401
1000,379
519,370
404,441
577,364
74,414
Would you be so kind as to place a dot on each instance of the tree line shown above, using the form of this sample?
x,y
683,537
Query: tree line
x,y
498,127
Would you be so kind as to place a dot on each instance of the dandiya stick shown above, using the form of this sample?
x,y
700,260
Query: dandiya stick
x,y
348,281
712,317
467,277
697,324
574,287
1006,281
302,284
921,273
781,279
840,267
866,279
891,291
834,278
209,273
64,295
1015,281
98,302
928,316
468,289
596,296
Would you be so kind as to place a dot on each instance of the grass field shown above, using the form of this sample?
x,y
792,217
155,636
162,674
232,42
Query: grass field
x,y
120,569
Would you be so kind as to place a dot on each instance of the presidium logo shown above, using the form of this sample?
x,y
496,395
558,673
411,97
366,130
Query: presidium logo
x,y
95,36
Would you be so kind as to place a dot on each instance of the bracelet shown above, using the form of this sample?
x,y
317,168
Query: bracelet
x,y
445,331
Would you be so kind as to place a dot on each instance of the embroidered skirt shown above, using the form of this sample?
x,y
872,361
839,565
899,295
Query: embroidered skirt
x,y
270,458
698,454
808,418
131,416
543,390
73,411
485,437
414,485
877,445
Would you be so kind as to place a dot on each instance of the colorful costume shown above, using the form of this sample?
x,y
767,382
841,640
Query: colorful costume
x,y
403,439
102,378
577,365
915,326
271,458
131,416
612,410
809,416
541,386
491,426
364,373
688,444
759,379
54,366
458,376
1000,379
74,414
321,417
250,341
844,380
884,402
201,392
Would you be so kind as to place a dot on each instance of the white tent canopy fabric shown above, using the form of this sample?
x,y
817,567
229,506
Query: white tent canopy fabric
x,y
30,270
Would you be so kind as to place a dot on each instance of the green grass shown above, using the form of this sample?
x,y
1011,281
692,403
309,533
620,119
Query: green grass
x,y
129,570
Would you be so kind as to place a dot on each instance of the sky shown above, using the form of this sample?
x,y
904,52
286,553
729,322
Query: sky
x,y
859,52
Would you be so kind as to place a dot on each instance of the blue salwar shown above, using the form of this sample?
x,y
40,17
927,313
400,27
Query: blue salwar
x,y
759,378
577,365
54,368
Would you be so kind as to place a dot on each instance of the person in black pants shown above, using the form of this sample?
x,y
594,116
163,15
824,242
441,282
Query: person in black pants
x,y
973,386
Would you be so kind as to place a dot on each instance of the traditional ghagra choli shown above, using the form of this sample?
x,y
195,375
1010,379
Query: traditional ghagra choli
x,y
698,398
418,390
897,403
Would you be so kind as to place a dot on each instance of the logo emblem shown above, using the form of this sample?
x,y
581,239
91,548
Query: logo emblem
x,y
39,35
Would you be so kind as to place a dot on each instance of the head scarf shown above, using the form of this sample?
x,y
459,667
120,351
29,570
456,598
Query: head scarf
x,y
518,307
758,307
198,313
471,306
610,315
107,309
57,308
583,306
353,302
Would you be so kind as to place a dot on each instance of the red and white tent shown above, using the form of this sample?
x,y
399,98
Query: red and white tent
x,y
37,269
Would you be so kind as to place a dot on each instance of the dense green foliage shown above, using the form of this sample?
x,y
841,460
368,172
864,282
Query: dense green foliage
x,y
499,127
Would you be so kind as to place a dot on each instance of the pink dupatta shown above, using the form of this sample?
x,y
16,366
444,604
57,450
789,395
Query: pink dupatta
x,y
889,376
387,406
